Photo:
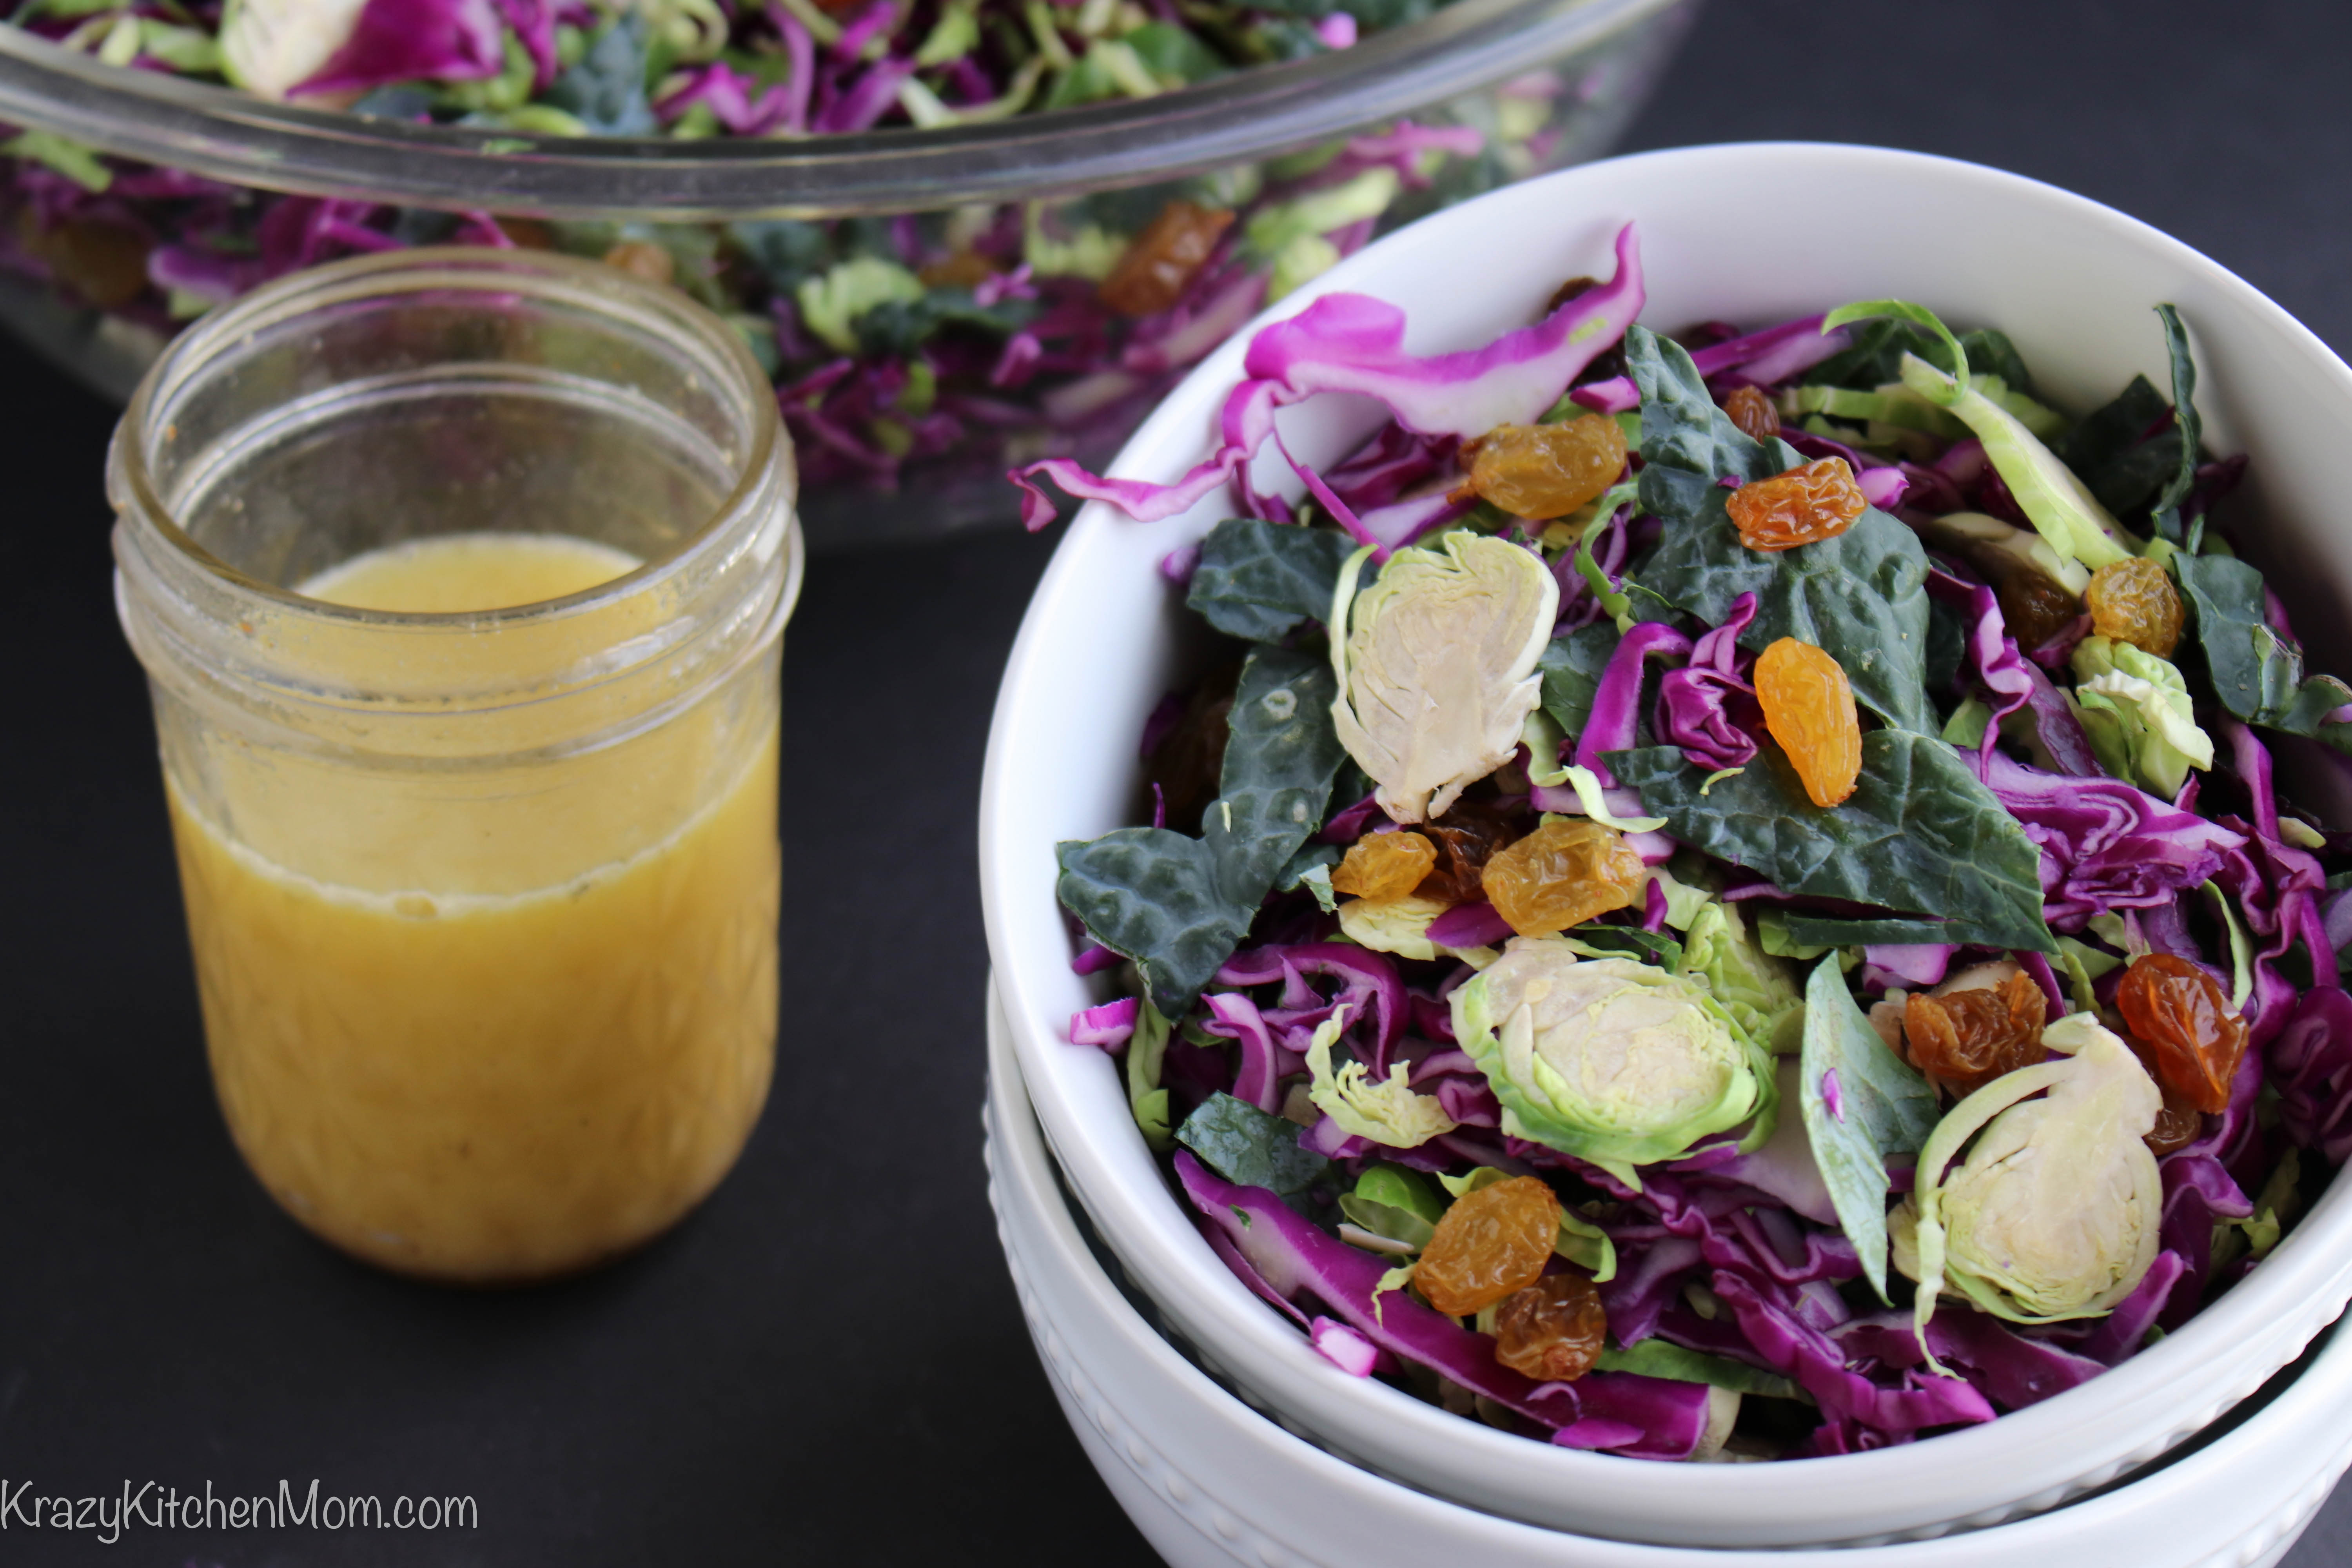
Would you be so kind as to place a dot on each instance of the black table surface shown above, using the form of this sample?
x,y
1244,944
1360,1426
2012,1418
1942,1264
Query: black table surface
x,y
827,1363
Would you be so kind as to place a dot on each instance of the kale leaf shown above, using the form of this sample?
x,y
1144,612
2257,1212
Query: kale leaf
x,y
2257,673
1251,1149
1861,597
1570,670
606,91
1883,1107
1920,835
1179,906
1260,580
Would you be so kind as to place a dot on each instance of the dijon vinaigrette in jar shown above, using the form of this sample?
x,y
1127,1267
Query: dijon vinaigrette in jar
x,y
466,676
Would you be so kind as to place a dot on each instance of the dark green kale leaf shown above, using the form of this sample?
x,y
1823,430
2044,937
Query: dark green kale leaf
x,y
2257,673
1251,1149
1179,906
606,91
2112,452
1688,443
1632,941
1883,1107
2191,429
1990,353
1570,668
1861,597
901,326
787,251
1260,580
1815,930
1920,835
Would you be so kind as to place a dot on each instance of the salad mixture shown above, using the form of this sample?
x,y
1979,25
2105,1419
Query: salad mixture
x,y
1727,897
949,342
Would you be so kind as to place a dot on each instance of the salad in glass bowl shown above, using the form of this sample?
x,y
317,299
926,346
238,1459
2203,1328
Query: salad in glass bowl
x,y
935,288
1728,897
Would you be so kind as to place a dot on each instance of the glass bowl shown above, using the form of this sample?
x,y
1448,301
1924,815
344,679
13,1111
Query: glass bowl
x,y
905,415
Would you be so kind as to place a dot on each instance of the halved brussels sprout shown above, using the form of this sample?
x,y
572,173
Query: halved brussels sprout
x,y
2054,1213
1436,666
1608,1059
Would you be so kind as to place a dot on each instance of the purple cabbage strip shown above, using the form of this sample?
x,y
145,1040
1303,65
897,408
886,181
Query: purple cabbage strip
x,y
1772,355
1990,649
1246,1273
1814,1361
1349,1350
2197,1192
1353,343
2311,1065
2118,1336
1908,964
1694,701
2105,846
1264,1062
1618,394
2062,733
1616,705
410,40
1648,1283
1109,1025
1469,925
1348,823
1292,1256
1638,1417
2011,1369
1369,980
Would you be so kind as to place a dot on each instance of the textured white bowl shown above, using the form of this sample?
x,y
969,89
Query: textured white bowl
x,y
1211,1483
1751,234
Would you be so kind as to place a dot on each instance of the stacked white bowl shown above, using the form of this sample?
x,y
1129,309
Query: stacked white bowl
x,y
1214,1484
1750,234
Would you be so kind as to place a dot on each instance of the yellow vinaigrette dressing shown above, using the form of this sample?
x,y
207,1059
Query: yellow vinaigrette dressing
x,y
492,1087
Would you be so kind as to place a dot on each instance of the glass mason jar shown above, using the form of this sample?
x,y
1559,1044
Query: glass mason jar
x,y
483,893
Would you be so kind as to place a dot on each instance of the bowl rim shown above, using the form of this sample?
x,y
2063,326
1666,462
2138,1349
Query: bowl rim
x,y
224,134
1020,1157
2307,1268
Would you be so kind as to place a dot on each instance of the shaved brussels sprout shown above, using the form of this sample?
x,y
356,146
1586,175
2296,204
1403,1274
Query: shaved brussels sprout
x,y
268,47
2135,708
1400,925
1436,667
2054,1213
1757,989
1386,1112
1608,1059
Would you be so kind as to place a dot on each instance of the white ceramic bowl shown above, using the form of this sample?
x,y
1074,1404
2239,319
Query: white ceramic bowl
x,y
1212,1484
1751,234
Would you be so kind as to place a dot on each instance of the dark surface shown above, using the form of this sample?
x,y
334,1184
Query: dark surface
x,y
827,1363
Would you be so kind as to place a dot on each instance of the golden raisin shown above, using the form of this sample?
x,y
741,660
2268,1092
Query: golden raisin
x,y
2133,601
1384,864
105,263
1548,470
1553,1331
1808,710
1488,1244
1810,502
2177,1124
964,270
2182,1016
642,259
1965,1040
1561,875
1466,838
1158,264
1752,409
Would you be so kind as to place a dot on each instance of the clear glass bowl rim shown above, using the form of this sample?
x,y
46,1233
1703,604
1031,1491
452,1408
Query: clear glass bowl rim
x,y
1253,114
